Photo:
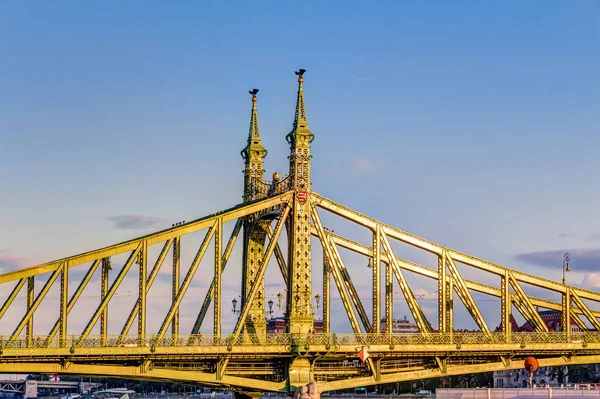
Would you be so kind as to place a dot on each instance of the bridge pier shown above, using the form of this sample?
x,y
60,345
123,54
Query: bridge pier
x,y
310,391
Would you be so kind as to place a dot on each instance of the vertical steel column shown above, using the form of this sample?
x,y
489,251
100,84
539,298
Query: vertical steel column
x,y
30,292
376,281
506,306
566,313
450,305
143,263
442,294
218,285
326,295
64,298
389,298
175,283
103,292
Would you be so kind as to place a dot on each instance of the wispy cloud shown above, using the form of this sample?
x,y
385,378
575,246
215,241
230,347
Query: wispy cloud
x,y
591,280
566,235
360,79
136,221
363,165
10,262
594,237
584,259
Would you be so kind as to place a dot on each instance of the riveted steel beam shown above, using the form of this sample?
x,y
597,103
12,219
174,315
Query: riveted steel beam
x,y
586,311
465,295
186,281
32,305
330,250
262,267
106,299
152,239
524,305
411,301
217,275
437,249
175,283
432,273
376,283
153,273
211,289
86,279
12,296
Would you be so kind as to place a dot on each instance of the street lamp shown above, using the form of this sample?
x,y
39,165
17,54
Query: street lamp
x,y
270,303
566,260
234,304
279,298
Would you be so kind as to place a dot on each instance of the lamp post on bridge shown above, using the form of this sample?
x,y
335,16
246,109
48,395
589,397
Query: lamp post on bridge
x,y
566,260
234,303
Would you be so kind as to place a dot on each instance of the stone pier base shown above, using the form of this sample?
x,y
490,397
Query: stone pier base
x,y
310,391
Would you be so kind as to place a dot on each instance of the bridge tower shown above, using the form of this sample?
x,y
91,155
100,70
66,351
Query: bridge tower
x,y
254,244
299,313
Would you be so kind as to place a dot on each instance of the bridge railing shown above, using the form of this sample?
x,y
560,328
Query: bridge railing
x,y
305,341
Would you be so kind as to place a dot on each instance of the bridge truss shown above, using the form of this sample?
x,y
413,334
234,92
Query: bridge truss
x,y
251,359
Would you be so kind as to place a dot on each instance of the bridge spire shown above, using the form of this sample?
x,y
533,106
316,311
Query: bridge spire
x,y
299,295
254,154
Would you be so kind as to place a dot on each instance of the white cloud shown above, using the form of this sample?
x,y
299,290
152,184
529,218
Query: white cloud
x,y
363,165
591,280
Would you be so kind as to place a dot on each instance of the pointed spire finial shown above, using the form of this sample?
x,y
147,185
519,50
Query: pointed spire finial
x,y
300,126
300,117
254,145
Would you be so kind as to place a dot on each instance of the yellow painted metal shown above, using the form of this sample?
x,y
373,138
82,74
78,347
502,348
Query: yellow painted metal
x,y
75,297
411,301
338,264
326,295
134,372
329,250
175,283
394,357
106,267
465,295
506,305
376,283
437,249
153,273
262,267
142,290
583,307
152,239
211,289
278,256
64,302
450,309
187,280
217,273
432,273
389,297
12,296
106,298
523,303
299,310
32,304
451,370
442,294
566,314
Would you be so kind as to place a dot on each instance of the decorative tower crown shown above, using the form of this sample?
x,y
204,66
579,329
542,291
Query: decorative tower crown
x,y
254,154
254,148
300,126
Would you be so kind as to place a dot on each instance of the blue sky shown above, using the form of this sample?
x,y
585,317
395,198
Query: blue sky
x,y
473,124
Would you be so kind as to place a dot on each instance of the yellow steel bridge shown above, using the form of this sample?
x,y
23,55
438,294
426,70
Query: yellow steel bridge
x,y
252,360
